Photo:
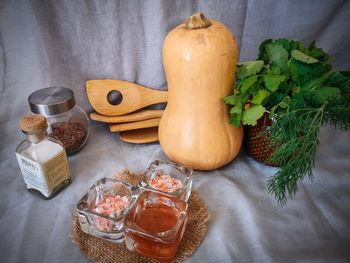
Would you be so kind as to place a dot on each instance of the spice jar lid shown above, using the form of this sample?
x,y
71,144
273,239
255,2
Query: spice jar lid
x,y
51,101
33,122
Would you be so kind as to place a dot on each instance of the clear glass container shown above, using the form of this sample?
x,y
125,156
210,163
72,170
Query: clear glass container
x,y
95,219
154,226
67,121
42,159
178,172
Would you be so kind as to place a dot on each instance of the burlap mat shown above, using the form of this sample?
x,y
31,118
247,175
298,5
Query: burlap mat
x,y
100,250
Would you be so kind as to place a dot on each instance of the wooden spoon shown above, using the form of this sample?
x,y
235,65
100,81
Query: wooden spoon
x,y
134,125
145,135
128,97
135,116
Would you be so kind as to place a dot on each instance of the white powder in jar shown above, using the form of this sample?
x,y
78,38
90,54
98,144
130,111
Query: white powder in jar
x,y
43,151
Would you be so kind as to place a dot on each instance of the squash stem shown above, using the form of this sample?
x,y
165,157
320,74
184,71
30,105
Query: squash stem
x,y
197,21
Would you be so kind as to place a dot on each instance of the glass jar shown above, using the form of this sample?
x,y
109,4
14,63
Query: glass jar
x,y
168,178
42,158
67,121
102,209
155,225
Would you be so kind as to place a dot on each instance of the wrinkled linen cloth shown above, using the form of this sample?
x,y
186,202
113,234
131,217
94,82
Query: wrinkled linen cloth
x,y
65,43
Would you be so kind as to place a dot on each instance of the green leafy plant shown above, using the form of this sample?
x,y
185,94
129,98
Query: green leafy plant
x,y
301,92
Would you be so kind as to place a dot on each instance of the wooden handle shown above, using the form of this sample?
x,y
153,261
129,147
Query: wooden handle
x,y
135,116
134,96
134,125
145,135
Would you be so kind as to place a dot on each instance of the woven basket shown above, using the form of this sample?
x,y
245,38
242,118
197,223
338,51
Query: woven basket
x,y
256,143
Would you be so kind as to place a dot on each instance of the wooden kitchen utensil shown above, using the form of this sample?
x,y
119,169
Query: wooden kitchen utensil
x,y
131,97
145,135
134,125
135,116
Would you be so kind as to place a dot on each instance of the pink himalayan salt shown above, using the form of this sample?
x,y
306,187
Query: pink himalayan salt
x,y
165,183
109,205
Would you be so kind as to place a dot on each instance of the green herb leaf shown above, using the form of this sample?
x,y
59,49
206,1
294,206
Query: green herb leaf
x,y
274,99
273,81
262,50
284,104
230,100
337,78
316,82
261,96
277,54
345,88
272,111
302,72
251,115
282,42
244,85
289,45
236,114
236,120
237,109
324,94
318,53
300,56
241,72
274,70
249,68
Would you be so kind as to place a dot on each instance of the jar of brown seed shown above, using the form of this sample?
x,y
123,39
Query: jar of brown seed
x,y
67,121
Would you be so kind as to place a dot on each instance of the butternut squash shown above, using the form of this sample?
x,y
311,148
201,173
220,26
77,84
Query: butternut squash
x,y
200,58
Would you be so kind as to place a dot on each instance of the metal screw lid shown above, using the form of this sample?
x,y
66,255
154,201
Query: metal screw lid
x,y
33,122
51,101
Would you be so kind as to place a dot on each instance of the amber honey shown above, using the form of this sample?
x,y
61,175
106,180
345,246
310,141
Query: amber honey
x,y
157,218
155,226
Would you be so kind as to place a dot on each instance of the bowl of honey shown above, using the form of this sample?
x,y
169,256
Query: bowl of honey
x,y
154,226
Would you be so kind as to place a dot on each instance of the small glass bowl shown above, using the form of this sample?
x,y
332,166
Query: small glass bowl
x,y
177,171
108,226
155,225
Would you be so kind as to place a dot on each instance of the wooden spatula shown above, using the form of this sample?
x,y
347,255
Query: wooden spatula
x,y
134,125
135,116
145,135
128,97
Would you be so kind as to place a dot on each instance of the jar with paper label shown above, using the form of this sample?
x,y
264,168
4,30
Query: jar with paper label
x,y
42,158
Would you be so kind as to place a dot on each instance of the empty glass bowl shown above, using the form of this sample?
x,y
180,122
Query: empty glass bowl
x,y
168,178
102,209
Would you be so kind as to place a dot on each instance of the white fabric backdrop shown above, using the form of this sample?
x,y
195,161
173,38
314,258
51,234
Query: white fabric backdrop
x,y
64,43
